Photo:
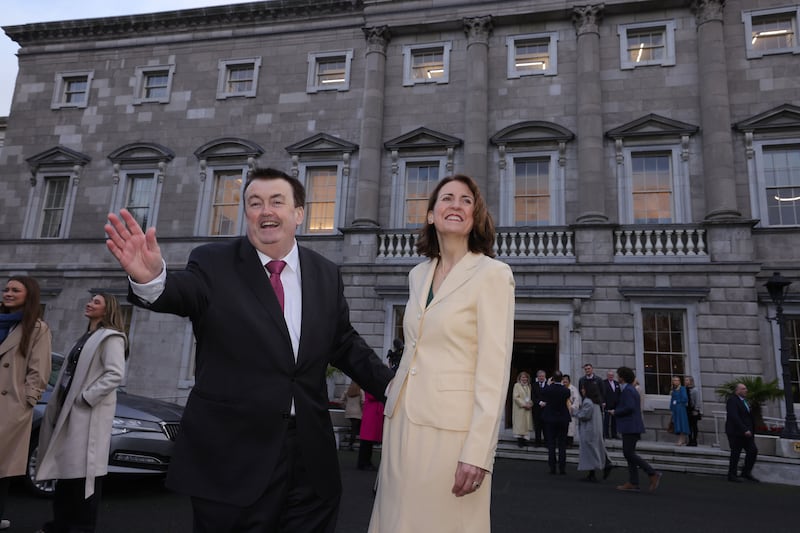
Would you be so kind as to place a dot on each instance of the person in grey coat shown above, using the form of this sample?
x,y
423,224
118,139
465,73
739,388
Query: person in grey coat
x,y
592,454
75,435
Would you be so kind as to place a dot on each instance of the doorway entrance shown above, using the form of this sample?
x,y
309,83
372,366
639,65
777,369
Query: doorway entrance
x,y
535,348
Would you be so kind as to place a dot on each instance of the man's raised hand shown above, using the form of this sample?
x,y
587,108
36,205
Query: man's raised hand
x,y
137,251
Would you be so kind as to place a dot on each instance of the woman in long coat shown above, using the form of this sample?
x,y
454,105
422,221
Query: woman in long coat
x,y
677,405
444,406
24,371
76,430
521,419
592,453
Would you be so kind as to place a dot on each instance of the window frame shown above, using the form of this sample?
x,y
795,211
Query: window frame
x,y
668,27
747,19
61,85
140,86
205,213
225,66
409,50
122,187
303,169
315,59
398,215
34,217
681,194
47,179
555,187
758,202
552,52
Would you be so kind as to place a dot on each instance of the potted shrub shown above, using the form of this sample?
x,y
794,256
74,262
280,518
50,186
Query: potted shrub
x,y
759,392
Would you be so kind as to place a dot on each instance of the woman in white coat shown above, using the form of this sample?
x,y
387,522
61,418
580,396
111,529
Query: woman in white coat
x,y
521,418
75,436
444,406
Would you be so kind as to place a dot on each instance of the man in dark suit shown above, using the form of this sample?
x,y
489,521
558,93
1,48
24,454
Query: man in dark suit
x,y
739,426
556,417
537,388
589,375
256,450
611,391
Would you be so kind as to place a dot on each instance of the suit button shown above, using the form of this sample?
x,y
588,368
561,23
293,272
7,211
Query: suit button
x,y
5,365
414,371
419,315
4,392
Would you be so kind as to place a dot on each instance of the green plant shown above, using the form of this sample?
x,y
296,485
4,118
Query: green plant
x,y
331,371
759,392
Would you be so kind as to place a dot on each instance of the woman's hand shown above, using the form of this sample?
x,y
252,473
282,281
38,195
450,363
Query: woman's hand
x,y
468,479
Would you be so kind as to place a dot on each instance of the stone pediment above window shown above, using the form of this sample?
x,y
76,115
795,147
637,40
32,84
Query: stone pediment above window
x,y
782,119
531,133
58,156
423,140
321,144
141,153
228,149
652,126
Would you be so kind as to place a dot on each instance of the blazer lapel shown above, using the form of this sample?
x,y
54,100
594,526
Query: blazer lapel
x,y
461,273
11,341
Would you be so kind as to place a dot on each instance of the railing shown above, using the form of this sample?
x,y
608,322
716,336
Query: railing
x,y
555,243
660,242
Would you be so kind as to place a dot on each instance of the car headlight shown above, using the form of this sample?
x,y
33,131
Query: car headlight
x,y
126,425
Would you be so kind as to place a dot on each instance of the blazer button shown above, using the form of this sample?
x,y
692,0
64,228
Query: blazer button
x,y
5,365
414,371
4,392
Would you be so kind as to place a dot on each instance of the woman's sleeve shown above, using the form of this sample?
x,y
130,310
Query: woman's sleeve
x,y
37,373
112,355
585,412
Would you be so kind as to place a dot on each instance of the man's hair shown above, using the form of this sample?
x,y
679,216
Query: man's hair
x,y
557,376
298,191
590,365
627,374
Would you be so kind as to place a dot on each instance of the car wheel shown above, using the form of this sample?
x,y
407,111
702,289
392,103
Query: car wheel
x,y
39,488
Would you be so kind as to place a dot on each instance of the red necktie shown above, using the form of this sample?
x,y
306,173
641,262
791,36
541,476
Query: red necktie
x,y
275,268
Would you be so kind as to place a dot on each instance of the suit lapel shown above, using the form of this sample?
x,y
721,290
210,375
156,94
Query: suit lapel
x,y
462,272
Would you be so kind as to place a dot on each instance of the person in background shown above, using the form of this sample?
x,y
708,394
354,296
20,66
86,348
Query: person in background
x,y
521,420
353,400
75,436
573,405
610,393
556,417
631,426
693,411
371,431
25,344
740,429
445,404
588,374
677,406
537,388
592,454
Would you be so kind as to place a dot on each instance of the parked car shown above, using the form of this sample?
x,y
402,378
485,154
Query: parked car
x,y
141,435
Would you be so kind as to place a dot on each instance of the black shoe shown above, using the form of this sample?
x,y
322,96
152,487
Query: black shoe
x,y
521,442
749,477
590,477
607,470
734,479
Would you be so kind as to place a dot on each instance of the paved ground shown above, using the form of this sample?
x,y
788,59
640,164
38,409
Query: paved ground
x,y
525,499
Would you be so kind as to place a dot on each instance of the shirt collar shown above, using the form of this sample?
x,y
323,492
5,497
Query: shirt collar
x,y
292,259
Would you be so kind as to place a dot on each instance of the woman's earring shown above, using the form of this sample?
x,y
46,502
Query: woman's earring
x,y
430,220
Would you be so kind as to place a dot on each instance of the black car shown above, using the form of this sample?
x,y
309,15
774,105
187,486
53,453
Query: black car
x,y
141,435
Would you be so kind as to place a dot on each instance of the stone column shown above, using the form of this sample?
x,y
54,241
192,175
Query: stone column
x,y
476,115
370,147
715,115
591,161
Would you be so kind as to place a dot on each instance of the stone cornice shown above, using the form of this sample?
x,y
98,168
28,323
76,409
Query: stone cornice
x,y
187,20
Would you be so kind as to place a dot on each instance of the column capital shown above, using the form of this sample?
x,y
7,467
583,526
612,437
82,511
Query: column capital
x,y
478,29
377,38
707,10
587,18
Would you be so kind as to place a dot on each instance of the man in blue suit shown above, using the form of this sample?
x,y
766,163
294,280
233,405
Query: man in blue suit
x,y
739,427
631,426
256,450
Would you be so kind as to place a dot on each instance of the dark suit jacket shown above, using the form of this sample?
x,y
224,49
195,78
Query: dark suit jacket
x,y
629,412
610,397
235,421
738,419
556,396
536,394
597,379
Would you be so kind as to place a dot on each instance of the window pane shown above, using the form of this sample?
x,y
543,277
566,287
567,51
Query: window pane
x,y
320,199
140,193
330,70
652,188
781,165
427,64
155,85
532,55
55,199
240,78
75,89
646,45
664,354
773,32
225,207
532,191
421,178
793,342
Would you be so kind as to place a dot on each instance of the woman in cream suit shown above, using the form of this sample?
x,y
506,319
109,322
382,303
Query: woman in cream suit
x,y
521,419
76,430
444,406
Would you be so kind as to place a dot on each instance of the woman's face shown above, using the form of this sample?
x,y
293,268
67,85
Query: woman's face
x,y
14,295
96,308
453,211
565,382
523,378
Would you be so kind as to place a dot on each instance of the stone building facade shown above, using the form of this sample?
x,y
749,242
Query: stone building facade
x,y
641,160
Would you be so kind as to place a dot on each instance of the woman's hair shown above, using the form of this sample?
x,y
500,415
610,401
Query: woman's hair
x,y
353,390
592,391
523,373
481,237
31,309
689,380
112,319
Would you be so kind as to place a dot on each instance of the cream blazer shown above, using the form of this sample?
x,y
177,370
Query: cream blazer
x,y
455,369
